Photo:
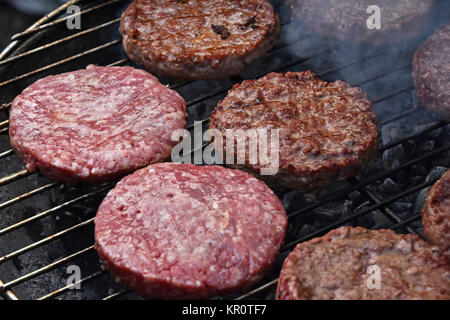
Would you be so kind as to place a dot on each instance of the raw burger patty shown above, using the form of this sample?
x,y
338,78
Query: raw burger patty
x,y
347,20
95,124
436,213
338,266
198,39
327,131
431,72
183,231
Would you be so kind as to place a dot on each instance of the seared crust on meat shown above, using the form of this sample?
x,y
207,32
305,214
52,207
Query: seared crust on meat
x,y
327,131
347,20
431,72
436,213
198,39
342,265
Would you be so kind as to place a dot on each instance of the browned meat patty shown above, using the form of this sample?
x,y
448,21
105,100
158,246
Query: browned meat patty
x,y
95,124
174,231
436,213
347,20
342,265
327,131
431,72
198,39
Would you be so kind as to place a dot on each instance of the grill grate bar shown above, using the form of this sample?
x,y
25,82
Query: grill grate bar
x,y
82,54
384,73
399,115
60,291
392,94
119,62
407,221
58,42
257,290
28,194
53,23
5,106
13,177
117,294
52,210
48,267
43,241
6,153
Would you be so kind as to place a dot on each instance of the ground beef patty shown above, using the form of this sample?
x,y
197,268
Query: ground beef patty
x,y
436,213
347,20
95,124
326,130
343,265
184,231
198,39
431,72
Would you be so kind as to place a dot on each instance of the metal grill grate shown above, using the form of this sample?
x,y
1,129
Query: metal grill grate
x,y
45,226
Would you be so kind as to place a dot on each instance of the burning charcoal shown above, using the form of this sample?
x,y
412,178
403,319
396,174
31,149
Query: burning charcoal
x,y
426,147
414,99
393,158
416,180
388,188
305,230
420,200
328,212
347,213
401,207
435,174
410,147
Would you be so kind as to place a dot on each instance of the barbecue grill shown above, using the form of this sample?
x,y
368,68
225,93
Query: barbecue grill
x,y
46,227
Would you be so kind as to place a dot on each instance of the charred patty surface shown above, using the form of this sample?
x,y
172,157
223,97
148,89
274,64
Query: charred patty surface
x,y
95,124
436,213
431,72
198,39
183,231
327,131
342,265
347,20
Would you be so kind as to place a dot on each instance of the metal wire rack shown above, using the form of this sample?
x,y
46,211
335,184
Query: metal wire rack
x,y
46,226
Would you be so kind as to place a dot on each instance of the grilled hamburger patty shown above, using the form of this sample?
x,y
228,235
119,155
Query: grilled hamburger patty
x,y
347,20
327,131
341,264
198,39
184,231
436,213
431,72
95,124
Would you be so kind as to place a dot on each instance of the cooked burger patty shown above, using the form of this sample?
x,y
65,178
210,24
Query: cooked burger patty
x,y
198,39
327,131
431,72
184,231
436,213
346,262
347,20
95,124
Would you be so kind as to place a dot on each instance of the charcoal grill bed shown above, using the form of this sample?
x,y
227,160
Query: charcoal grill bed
x,y
46,227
